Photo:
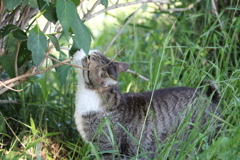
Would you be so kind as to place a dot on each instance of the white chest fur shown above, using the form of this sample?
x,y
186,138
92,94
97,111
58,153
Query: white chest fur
x,y
86,100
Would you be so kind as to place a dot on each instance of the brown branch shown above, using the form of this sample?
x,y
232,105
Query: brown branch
x,y
4,89
139,75
123,5
20,79
91,10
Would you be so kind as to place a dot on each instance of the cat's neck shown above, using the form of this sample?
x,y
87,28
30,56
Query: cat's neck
x,y
100,100
87,100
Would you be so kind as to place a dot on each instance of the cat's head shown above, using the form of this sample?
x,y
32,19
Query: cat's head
x,y
102,72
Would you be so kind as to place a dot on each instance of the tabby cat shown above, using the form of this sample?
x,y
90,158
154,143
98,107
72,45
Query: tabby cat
x,y
106,117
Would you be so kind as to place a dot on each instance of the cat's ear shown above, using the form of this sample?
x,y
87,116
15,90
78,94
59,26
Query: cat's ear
x,y
122,67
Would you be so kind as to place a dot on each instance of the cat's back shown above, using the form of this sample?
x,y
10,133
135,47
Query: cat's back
x,y
166,96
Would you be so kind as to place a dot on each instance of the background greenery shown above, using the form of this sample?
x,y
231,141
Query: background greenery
x,y
170,48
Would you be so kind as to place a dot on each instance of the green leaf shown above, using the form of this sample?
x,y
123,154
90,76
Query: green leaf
x,y
11,4
54,40
74,47
76,2
20,34
7,29
33,127
47,1
82,34
62,70
24,55
65,11
52,133
49,10
33,3
2,125
33,144
7,62
104,3
37,43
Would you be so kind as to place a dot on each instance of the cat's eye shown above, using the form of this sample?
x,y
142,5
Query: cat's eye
x,y
92,58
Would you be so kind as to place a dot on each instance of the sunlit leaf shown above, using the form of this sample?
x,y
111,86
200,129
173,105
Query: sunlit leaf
x,y
37,43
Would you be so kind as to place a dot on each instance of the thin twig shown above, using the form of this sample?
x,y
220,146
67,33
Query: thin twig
x,y
4,89
34,73
139,75
92,9
8,101
10,87
124,5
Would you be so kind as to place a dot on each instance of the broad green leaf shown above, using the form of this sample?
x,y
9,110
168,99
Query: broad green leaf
x,y
54,40
20,34
65,13
104,3
82,34
37,43
49,10
11,4
7,62
7,29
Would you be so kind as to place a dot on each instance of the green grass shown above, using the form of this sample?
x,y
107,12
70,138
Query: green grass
x,y
42,125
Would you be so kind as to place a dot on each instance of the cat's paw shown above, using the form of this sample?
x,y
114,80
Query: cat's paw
x,y
78,56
